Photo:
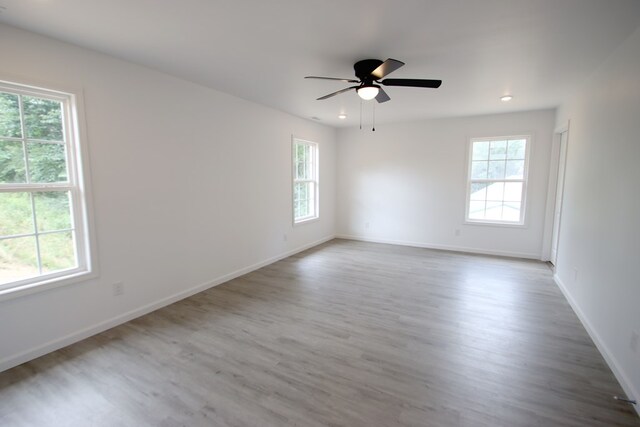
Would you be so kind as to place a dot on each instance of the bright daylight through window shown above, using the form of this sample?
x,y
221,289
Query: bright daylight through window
x,y
42,225
497,180
305,180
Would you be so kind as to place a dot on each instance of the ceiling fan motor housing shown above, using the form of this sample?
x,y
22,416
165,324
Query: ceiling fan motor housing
x,y
364,69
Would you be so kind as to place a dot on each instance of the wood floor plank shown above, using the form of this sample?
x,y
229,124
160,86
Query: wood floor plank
x,y
345,334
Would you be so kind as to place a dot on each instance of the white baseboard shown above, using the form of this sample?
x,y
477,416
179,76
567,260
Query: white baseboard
x,y
58,343
608,356
440,247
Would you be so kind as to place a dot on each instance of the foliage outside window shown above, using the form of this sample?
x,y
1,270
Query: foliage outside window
x,y
305,180
42,229
497,180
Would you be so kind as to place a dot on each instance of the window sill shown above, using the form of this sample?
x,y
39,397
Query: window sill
x,y
44,285
306,221
496,224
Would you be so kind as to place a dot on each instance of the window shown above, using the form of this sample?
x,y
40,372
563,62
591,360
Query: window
x,y
305,180
497,180
42,210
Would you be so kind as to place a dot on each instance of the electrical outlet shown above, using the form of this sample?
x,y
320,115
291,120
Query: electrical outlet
x,y
284,237
118,289
457,233
634,342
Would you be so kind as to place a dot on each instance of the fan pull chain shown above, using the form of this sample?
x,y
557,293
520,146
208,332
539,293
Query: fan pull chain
x,y
360,114
373,128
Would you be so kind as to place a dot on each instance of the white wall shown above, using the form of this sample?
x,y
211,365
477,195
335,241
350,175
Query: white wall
x,y
189,185
408,182
600,232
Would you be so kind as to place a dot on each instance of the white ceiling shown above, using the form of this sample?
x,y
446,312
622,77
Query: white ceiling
x,y
260,50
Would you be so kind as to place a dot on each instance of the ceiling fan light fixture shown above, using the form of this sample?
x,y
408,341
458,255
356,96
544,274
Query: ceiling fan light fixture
x,y
506,98
368,92
371,71
342,116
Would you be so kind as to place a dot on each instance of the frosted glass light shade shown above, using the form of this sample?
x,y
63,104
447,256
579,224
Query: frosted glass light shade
x,y
368,92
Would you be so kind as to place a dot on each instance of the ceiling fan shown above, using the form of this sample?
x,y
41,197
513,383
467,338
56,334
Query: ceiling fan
x,y
369,72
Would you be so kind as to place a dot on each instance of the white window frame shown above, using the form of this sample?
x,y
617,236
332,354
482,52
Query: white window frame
x,y
77,186
525,181
315,179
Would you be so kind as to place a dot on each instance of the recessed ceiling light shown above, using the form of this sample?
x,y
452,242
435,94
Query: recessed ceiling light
x,y
506,98
342,116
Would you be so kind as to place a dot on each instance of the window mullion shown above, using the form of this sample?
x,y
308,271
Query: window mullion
x,y
12,138
489,181
46,141
35,230
23,130
14,188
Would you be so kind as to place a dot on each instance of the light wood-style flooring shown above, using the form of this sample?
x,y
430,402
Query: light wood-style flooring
x,y
345,334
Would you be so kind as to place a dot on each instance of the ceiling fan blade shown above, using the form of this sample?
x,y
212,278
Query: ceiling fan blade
x,y
412,83
382,96
387,67
333,78
336,93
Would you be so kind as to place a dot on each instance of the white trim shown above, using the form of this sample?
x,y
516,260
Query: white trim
x,y
607,354
550,202
450,248
564,127
58,279
84,182
489,223
56,344
554,168
306,221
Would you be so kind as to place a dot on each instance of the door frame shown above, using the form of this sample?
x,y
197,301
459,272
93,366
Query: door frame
x,y
554,169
